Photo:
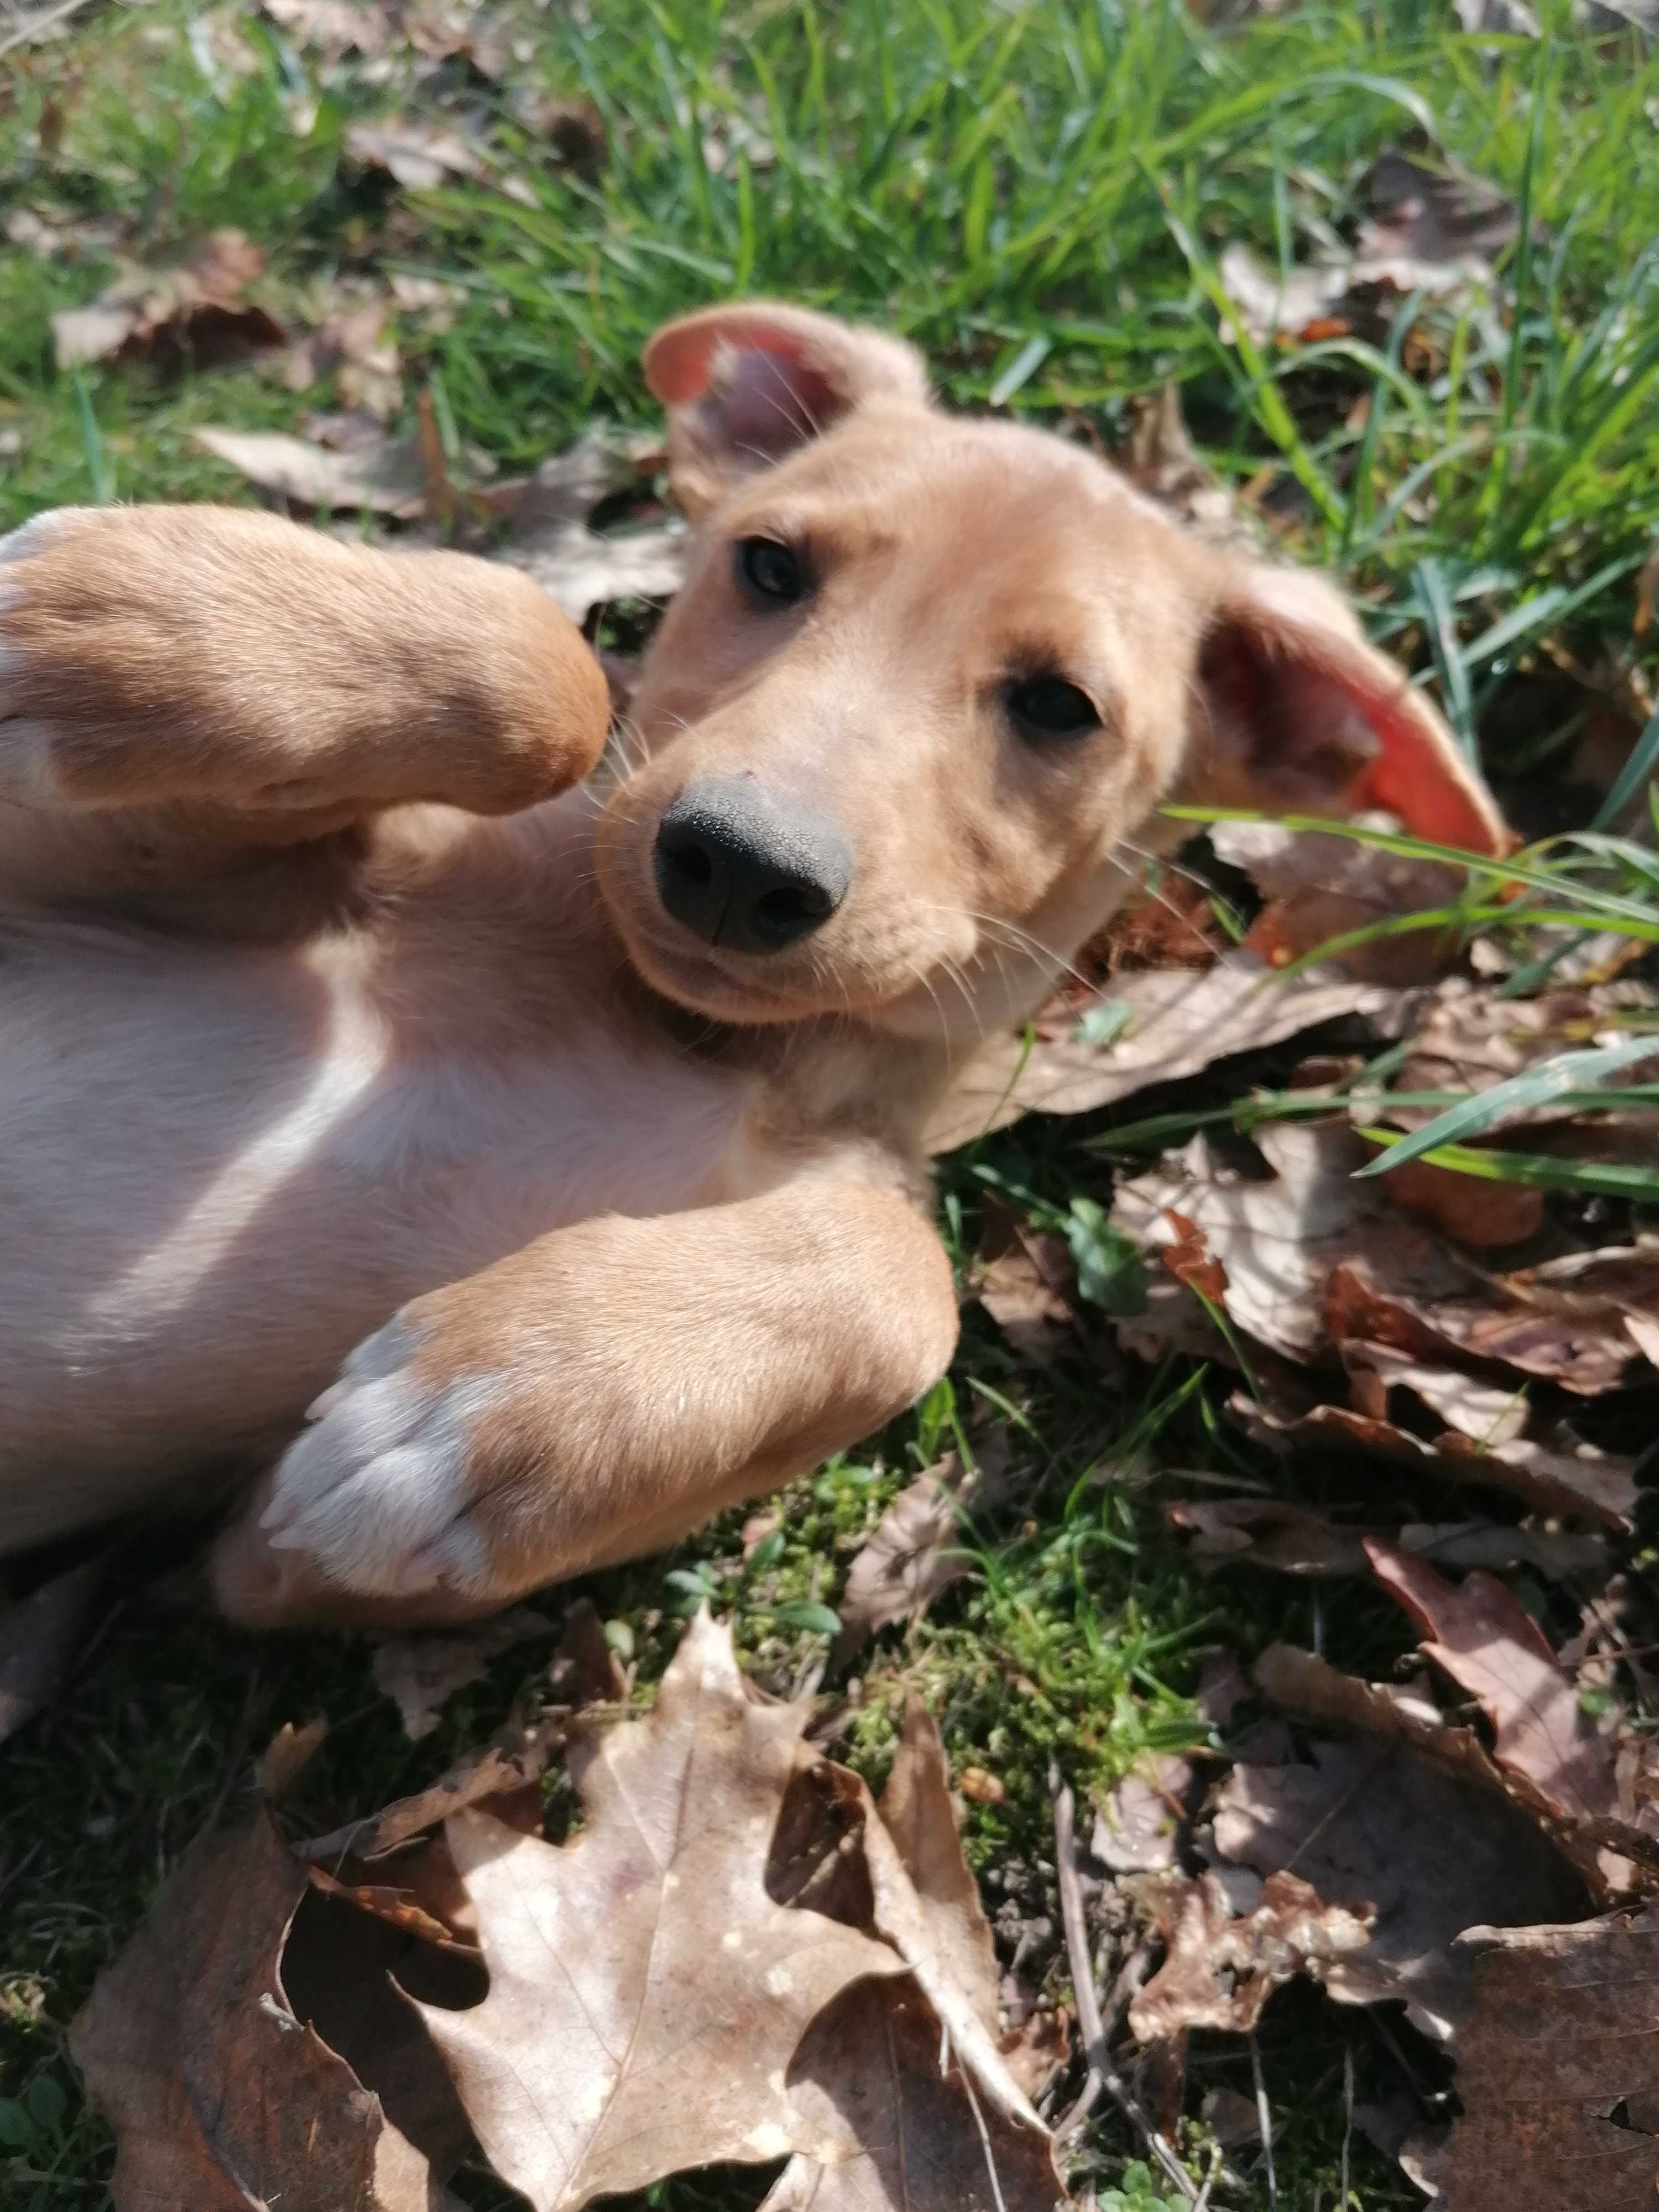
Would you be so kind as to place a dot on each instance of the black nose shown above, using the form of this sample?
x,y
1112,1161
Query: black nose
x,y
746,870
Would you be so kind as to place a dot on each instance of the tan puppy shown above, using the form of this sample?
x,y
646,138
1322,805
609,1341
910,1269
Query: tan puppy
x,y
594,1123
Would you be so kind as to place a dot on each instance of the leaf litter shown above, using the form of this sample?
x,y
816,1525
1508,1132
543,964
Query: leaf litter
x,y
737,1957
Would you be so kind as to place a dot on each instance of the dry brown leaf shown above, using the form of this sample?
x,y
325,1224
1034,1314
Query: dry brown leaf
x,y
1486,1216
549,536
356,346
1488,1414
929,2141
1279,1241
918,1547
872,2062
387,477
421,1674
1436,213
219,2094
1594,1486
1318,886
1268,1532
1481,1634
1220,1969
501,1769
1557,2071
418,154
646,1993
916,1812
1468,1039
1376,1824
1025,1278
1161,461
40,1635
335,26
1430,231
192,312
1181,1021
1315,1260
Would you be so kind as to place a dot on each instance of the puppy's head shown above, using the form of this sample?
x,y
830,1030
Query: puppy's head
x,y
911,718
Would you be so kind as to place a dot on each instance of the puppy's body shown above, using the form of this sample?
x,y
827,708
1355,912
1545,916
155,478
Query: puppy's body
x,y
605,1149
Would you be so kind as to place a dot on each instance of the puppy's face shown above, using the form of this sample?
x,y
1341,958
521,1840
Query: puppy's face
x,y
911,718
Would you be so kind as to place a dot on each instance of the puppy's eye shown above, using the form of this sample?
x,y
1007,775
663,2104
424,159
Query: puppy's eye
x,y
769,571
1048,707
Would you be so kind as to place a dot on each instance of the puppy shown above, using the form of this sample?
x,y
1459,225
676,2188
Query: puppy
x,y
571,1146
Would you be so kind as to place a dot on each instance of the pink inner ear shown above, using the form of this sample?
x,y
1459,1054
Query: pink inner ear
x,y
772,401
1416,776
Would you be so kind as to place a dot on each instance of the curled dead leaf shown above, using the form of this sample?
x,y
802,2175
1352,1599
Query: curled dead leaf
x,y
918,1548
1219,1968
220,2093
1367,1821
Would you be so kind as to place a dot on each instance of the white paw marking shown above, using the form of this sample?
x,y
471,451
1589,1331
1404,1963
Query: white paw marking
x,y
376,1489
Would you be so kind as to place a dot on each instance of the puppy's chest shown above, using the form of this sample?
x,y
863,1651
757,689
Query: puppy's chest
x,y
487,1138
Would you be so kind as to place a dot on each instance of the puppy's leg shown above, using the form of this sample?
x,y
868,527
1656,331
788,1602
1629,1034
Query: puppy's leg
x,y
229,674
593,1397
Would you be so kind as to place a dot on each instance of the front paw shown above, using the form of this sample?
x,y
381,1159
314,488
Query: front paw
x,y
386,1493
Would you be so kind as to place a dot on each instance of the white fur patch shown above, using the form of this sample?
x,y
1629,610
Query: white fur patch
x,y
376,1490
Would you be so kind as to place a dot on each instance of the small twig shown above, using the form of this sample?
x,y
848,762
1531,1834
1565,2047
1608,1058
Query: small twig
x,y
1102,2075
37,26
1264,2120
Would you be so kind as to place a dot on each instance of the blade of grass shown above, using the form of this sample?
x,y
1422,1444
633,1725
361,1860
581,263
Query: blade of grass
x,y
1535,1086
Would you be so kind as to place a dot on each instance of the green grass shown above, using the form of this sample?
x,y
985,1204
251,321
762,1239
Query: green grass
x,y
1039,196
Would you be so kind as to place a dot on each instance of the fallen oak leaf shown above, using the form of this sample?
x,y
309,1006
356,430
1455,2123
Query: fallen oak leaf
x,y
387,477
219,2095
1595,1486
1024,1279
646,1992
1557,2072
1318,886
1278,1242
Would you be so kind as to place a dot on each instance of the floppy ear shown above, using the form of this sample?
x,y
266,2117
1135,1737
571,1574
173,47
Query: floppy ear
x,y
745,386
1306,717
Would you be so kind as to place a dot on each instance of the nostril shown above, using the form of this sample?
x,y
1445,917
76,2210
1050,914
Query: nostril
x,y
792,909
690,861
